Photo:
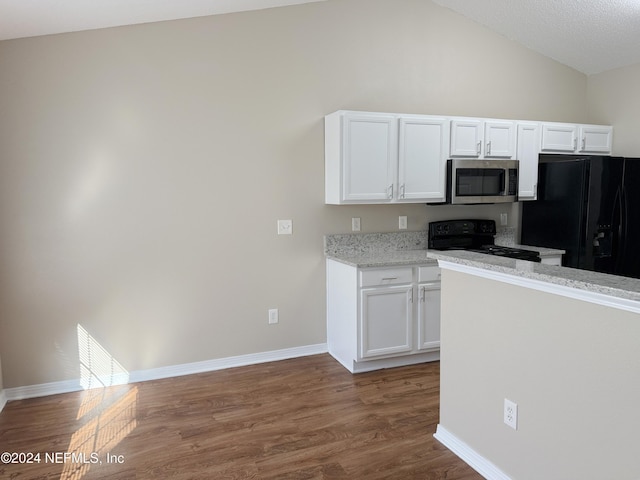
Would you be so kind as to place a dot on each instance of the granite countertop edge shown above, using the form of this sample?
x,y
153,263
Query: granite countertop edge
x,y
397,258
595,282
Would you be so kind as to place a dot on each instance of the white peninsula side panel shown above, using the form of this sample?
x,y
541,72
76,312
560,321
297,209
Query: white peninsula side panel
x,y
564,361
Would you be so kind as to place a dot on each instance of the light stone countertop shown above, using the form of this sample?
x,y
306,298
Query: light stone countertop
x,y
595,282
371,250
380,250
381,259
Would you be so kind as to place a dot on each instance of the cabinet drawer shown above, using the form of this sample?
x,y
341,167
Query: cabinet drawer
x,y
387,276
429,274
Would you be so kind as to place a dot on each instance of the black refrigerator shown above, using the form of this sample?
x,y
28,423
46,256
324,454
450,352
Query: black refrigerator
x,y
590,207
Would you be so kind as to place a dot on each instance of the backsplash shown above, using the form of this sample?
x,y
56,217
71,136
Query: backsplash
x,y
505,236
366,243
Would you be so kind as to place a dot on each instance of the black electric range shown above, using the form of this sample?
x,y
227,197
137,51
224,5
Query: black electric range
x,y
475,236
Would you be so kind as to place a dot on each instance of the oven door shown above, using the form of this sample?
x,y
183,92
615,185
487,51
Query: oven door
x,y
482,181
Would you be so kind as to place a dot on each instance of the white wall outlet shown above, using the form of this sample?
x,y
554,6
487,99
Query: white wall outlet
x,y
504,219
355,224
402,222
285,227
273,316
511,413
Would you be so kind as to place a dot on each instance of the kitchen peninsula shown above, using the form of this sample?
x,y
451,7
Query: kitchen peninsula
x,y
560,343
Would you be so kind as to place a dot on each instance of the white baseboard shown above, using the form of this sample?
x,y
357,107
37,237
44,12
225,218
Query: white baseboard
x,y
228,362
66,386
476,461
3,399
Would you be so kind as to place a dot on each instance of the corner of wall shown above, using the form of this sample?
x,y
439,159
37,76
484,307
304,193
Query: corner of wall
x,y
3,400
3,396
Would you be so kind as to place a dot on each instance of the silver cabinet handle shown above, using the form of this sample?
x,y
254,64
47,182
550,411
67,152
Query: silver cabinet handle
x,y
584,142
390,191
489,148
389,278
422,294
479,148
402,191
575,143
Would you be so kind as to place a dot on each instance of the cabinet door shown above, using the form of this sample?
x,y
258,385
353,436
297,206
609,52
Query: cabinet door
x,y
429,316
466,138
386,321
369,158
595,139
528,152
423,149
559,137
499,139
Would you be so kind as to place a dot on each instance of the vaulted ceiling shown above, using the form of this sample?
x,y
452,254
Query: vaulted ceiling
x,y
590,36
29,18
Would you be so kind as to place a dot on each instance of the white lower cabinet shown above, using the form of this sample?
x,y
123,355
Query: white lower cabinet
x,y
387,321
429,316
382,317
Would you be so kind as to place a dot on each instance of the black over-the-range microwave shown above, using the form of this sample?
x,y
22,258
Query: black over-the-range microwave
x,y
472,181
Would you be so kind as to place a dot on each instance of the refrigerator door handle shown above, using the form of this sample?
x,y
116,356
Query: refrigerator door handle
x,y
617,230
624,224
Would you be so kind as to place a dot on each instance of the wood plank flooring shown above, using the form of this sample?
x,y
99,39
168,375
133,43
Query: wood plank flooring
x,y
305,418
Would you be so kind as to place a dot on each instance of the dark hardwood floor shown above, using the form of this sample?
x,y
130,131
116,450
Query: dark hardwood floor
x,y
306,418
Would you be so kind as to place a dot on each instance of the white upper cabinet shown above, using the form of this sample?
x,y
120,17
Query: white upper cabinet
x,y
499,139
559,137
527,153
476,138
424,144
595,139
575,138
466,138
361,154
384,158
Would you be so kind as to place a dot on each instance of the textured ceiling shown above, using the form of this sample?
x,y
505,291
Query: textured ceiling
x,y
591,36
30,18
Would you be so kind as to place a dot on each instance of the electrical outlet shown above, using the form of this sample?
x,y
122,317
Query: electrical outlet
x,y
285,227
504,219
511,413
355,224
402,222
273,316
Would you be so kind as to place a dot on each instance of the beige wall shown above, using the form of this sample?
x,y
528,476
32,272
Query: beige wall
x,y
572,368
614,99
142,170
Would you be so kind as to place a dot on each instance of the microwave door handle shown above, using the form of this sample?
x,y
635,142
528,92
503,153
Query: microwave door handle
x,y
505,187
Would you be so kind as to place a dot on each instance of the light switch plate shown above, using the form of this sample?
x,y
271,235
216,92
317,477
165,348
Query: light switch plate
x,y
402,222
355,224
285,227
